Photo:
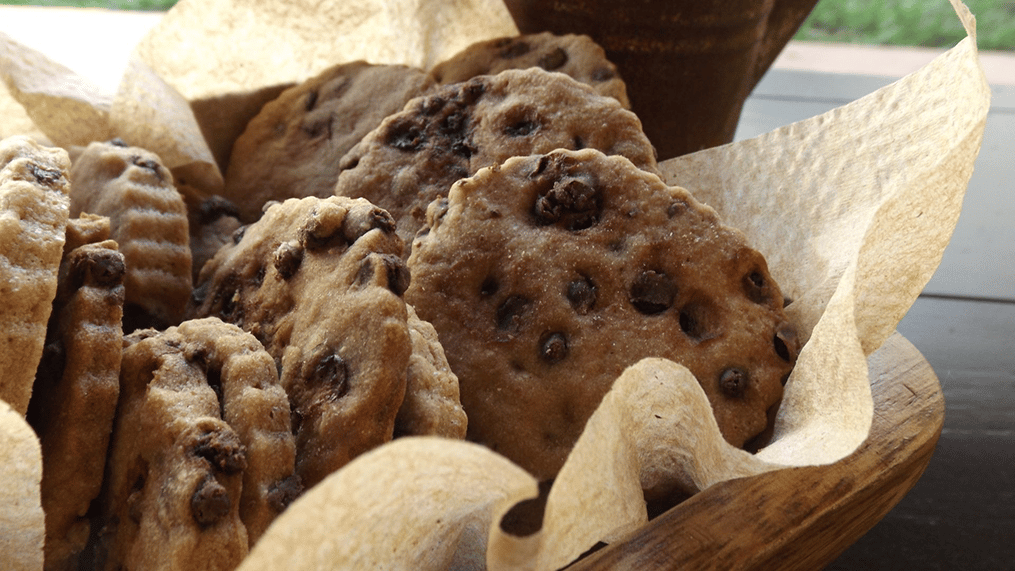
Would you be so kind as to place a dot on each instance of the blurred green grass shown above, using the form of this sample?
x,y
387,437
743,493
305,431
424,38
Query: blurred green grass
x,y
928,23
148,5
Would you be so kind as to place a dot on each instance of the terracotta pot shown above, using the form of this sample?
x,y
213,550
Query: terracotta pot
x,y
688,66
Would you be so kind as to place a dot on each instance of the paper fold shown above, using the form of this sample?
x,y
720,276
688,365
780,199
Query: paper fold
x,y
852,209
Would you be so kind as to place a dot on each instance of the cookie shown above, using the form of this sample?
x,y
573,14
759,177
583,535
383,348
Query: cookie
x,y
575,55
319,283
212,221
292,148
548,275
34,210
415,156
201,453
76,390
148,219
432,406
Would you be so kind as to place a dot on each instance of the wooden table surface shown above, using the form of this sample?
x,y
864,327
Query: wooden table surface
x,y
961,513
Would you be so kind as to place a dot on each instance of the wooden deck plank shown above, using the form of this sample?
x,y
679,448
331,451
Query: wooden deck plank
x,y
961,513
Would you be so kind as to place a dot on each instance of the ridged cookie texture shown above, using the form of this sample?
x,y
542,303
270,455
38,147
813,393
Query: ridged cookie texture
x,y
547,276
34,209
148,219
76,390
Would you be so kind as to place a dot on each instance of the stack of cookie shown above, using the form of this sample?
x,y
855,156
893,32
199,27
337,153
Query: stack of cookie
x,y
471,251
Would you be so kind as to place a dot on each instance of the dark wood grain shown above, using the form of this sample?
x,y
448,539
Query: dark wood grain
x,y
802,518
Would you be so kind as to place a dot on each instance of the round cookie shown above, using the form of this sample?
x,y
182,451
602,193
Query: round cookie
x,y
292,148
575,55
148,219
432,405
415,156
547,276
76,390
319,283
33,215
199,453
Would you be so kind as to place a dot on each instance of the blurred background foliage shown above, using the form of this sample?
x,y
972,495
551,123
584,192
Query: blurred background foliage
x,y
928,23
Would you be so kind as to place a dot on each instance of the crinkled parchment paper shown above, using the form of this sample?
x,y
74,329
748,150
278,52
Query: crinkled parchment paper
x,y
852,209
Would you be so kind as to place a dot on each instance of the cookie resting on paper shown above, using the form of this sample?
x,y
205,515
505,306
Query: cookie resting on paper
x,y
547,276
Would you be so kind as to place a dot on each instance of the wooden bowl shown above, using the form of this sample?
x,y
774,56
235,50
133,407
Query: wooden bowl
x,y
801,518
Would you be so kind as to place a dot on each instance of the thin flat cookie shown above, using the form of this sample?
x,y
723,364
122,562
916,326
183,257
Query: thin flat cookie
x,y
546,276
77,387
148,219
34,209
292,148
576,55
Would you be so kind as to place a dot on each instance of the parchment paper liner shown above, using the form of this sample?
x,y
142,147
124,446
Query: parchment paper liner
x,y
852,209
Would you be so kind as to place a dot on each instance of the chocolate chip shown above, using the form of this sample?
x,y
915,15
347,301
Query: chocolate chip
x,y
147,164
511,312
733,382
331,371
582,295
698,319
786,342
676,208
489,286
311,101
756,287
433,104
287,259
603,74
578,143
210,502
405,135
48,177
201,359
522,128
227,298
397,272
216,207
318,126
690,324
652,292
223,450
514,49
284,492
324,228
199,294
118,142
237,235
573,202
103,269
553,60
553,347
362,219
541,164
470,91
